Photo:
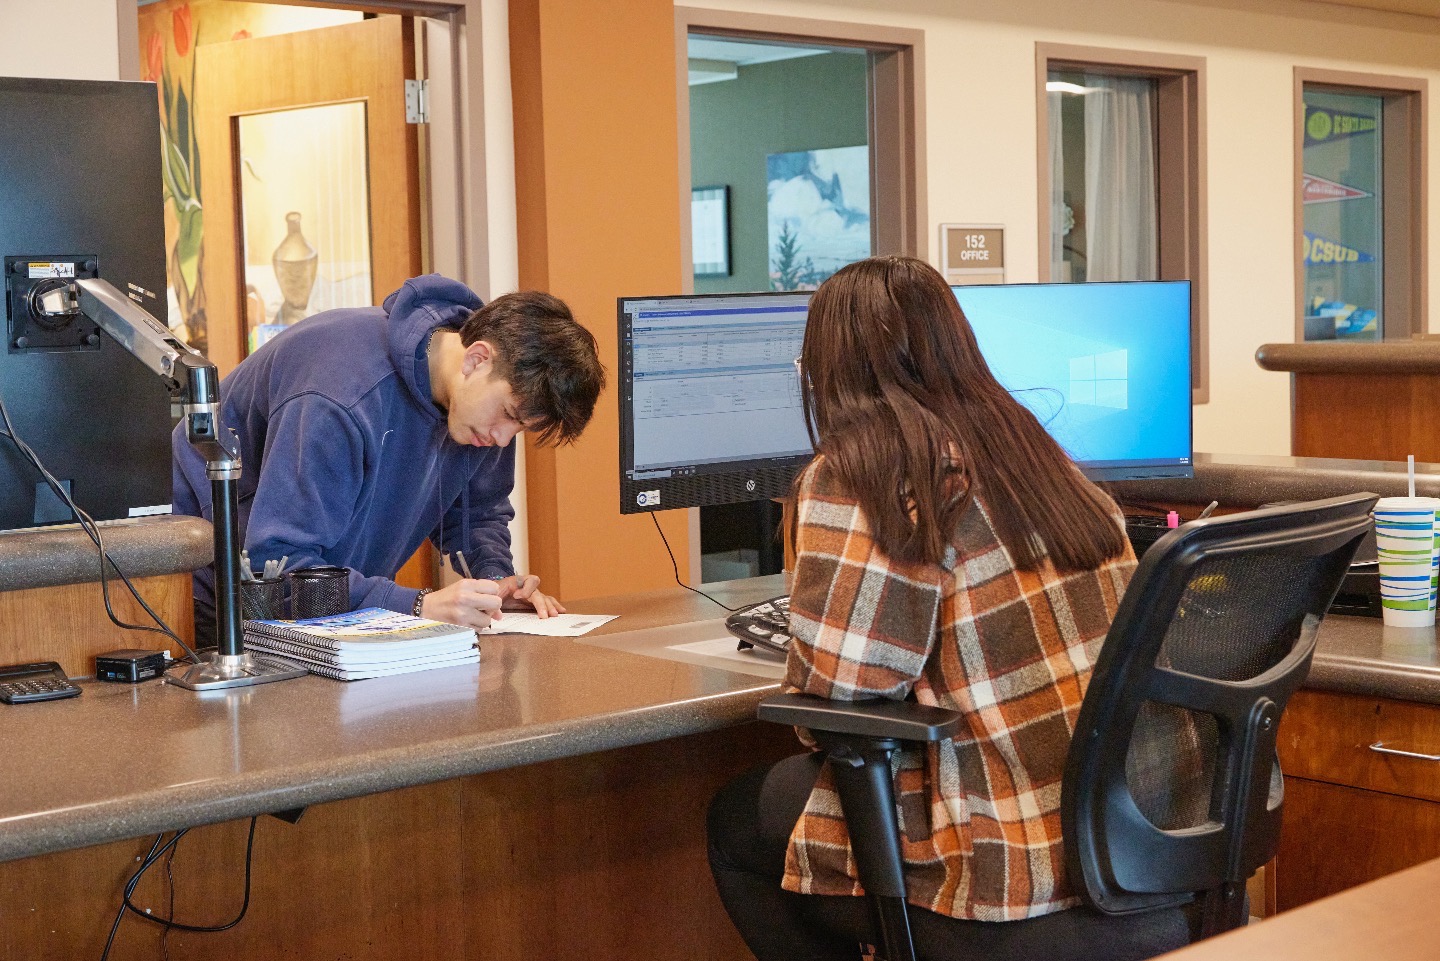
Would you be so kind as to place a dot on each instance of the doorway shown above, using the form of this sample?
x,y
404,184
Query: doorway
x,y
288,146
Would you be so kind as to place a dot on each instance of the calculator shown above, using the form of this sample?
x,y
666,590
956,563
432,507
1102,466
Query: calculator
x,y
41,681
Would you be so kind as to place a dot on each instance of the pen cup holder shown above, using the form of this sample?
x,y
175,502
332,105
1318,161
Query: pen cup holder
x,y
262,600
319,592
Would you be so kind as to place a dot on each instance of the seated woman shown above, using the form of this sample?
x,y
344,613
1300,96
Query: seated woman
x,y
948,550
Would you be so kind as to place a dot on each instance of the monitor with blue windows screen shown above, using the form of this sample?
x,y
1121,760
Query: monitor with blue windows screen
x,y
1104,366
710,397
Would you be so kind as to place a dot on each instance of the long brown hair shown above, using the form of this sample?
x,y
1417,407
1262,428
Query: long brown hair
x,y
907,413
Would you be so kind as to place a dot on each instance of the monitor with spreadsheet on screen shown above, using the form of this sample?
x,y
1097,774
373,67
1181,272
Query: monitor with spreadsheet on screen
x,y
710,397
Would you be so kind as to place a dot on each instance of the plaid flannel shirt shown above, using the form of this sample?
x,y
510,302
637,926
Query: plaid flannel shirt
x,y
1010,649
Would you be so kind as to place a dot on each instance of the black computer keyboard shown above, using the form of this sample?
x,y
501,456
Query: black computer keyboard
x,y
1144,530
765,626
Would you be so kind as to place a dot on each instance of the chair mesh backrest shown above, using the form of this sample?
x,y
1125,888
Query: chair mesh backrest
x,y
1239,615
1171,786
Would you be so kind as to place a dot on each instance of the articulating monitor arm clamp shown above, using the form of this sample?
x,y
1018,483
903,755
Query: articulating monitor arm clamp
x,y
193,379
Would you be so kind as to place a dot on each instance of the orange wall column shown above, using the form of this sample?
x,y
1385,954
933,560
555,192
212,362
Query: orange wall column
x,y
597,182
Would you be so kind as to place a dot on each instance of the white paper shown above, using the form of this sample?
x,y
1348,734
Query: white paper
x,y
556,625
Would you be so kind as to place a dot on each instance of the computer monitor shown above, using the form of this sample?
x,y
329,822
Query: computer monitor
x,y
709,399
1104,366
80,196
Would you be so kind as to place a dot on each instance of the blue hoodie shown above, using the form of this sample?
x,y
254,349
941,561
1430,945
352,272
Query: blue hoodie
x,y
345,457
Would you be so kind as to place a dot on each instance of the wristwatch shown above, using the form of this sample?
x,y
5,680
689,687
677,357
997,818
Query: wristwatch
x,y
420,601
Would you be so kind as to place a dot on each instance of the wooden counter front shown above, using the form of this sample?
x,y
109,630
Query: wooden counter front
x,y
1372,401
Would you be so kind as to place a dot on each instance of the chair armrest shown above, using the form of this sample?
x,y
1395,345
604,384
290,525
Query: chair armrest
x,y
882,718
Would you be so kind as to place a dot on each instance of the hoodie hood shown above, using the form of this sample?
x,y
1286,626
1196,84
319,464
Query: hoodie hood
x,y
415,311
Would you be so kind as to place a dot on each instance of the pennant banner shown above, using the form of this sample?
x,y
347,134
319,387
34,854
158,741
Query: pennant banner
x,y
1318,250
1318,190
1322,126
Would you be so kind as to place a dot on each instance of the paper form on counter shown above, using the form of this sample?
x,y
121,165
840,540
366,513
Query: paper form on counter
x,y
556,625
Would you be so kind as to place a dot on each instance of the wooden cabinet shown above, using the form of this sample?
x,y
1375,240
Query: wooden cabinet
x,y
1353,814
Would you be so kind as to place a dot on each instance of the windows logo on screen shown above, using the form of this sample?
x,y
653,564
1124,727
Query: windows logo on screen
x,y
1101,380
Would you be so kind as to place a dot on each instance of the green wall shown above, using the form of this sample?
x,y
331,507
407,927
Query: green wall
x,y
808,103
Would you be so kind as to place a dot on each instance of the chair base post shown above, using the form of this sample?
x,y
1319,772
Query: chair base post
x,y
892,925
1222,909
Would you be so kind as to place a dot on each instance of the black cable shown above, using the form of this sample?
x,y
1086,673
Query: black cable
x,y
170,884
157,851
145,862
171,922
88,525
676,567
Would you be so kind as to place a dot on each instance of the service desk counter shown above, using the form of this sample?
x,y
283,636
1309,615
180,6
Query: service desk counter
x,y
547,803
1362,400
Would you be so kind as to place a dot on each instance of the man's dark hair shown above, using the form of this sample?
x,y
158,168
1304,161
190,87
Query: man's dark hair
x,y
549,361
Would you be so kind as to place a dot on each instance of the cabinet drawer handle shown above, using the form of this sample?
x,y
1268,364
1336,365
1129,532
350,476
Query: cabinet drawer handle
x,y
1380,748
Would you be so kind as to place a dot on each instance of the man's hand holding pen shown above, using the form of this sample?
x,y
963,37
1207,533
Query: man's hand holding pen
x,y
471,603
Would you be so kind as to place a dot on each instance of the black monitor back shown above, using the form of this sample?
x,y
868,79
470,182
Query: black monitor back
x,y
80,183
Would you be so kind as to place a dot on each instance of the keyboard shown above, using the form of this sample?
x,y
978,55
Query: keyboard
x,y
765,626
1144,530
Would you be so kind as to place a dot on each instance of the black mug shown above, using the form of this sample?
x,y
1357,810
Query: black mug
x,y
319,592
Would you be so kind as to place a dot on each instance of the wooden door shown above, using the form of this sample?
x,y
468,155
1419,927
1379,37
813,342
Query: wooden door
x,y
366,63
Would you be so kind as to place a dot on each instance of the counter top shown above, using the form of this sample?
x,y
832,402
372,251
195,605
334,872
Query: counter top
x,y
122,761
1360,655
145,547
1351,357
1247,481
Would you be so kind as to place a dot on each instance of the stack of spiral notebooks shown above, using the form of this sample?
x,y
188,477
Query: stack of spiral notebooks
x,y
367,643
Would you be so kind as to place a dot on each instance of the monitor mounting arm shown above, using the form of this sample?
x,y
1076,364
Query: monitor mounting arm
x,y
194,381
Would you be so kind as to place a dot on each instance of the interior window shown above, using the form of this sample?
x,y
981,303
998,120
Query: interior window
x,y
1104,222
1342,187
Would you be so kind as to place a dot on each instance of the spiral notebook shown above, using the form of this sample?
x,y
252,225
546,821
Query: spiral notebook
x,y
371,628
367,643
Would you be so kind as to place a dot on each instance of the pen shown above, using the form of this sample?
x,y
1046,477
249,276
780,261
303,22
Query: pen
x,y
464,565
1210,509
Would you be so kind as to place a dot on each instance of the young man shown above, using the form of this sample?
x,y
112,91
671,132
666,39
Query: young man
x,y
365,430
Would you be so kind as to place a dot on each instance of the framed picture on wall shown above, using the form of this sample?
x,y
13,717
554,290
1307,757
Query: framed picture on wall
x,y
818,208
710,231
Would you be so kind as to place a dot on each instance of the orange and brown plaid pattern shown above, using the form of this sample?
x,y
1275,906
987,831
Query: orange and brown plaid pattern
x,y
1011,649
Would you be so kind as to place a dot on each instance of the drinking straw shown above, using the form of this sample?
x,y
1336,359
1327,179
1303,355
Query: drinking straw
x,y
1411,461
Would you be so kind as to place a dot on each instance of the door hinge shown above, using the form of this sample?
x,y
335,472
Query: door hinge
x,y
417,101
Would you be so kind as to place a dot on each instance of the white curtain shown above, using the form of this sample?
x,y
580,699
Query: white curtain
x,y
1120,193
1057,189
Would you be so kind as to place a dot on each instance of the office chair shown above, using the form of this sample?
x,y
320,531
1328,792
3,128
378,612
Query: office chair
x,y
1172,790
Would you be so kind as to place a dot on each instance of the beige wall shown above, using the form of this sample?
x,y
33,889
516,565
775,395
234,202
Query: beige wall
x,y
980,105
40,39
